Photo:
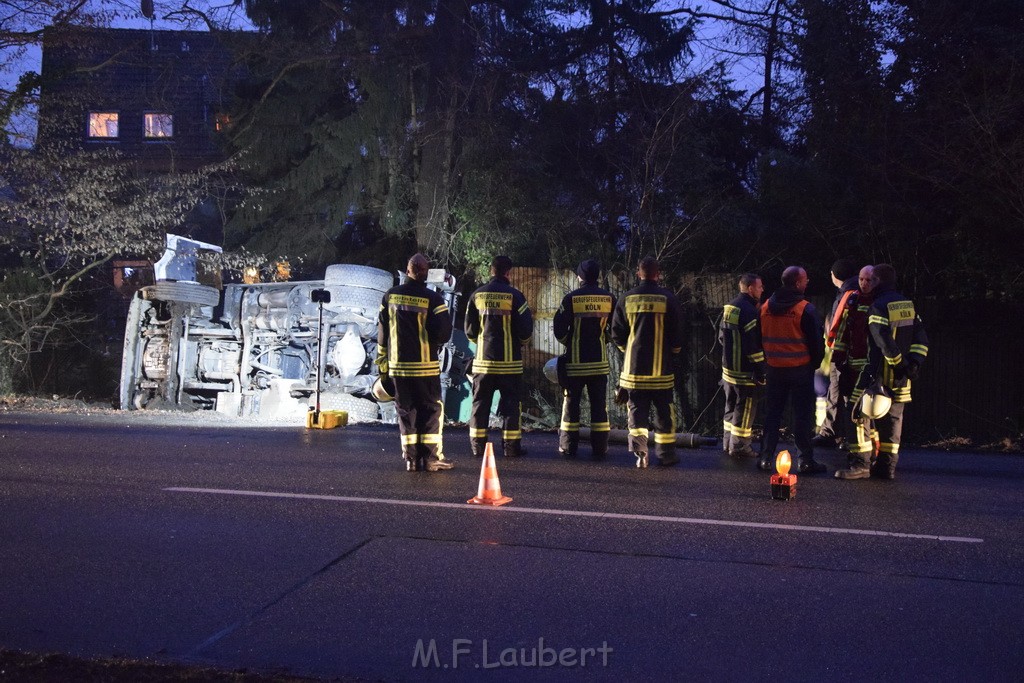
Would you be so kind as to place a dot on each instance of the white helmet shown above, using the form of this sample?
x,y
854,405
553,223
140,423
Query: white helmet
x,y
875,402
551,370
383,391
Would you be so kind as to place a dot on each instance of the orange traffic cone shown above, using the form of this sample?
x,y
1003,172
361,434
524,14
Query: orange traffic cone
x,y
489,492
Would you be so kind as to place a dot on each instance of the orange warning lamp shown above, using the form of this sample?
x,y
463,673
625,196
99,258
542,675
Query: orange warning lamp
x,y
783,483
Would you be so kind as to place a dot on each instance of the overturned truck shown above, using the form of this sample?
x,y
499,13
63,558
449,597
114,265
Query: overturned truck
x,y
255,349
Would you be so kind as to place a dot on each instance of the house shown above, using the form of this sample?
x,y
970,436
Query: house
x,y
157,96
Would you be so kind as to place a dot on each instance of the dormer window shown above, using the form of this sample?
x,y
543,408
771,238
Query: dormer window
x,y
159,126
103,125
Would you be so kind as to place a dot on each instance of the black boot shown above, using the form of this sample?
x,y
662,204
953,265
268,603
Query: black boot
x,y
857,467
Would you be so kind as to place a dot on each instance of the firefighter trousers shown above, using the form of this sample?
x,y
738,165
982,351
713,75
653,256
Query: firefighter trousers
x,y
841,381
509,388
640,403
420,416
738,424
878,442
596,387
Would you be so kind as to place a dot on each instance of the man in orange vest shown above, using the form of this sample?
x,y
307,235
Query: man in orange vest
x,y
791,337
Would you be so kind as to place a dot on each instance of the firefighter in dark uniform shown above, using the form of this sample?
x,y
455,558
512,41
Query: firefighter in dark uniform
x,y
791,337
841,377
897,347
499,321
581,324
647,327
743,365
847,339
414,322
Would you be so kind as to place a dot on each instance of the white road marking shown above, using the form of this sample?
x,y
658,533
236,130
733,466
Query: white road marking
x,y
581,513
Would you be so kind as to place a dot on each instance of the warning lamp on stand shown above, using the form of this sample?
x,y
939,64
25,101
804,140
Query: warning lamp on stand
x,y
783,483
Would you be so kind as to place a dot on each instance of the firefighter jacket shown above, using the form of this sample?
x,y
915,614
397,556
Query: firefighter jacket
x,y
847,335
835,345
791,331
414,321
499,321
897,338
647,326
740,337
581,324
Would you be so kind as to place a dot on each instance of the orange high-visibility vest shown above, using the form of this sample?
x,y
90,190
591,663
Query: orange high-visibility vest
x,y
782,337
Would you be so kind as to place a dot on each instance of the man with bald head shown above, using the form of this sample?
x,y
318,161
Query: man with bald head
x,y
414,322
791,338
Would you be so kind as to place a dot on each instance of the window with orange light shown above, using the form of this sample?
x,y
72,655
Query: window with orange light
x,y
221,122
158,126
103,125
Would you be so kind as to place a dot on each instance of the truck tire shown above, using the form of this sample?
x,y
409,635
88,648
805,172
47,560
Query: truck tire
x,y
344,297
184,292
359,409
348,275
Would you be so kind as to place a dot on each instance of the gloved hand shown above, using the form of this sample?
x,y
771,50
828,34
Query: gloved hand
x,y
621,396
913,370
900,371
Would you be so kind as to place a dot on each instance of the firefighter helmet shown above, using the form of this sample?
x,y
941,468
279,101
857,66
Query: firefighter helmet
x,y
551,370
384,390
875,402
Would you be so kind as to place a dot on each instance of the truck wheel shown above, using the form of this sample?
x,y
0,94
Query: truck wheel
x,y
359,409
184,292
348,275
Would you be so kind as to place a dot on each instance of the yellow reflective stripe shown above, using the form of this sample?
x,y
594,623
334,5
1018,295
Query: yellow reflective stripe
x,y
410,439
664,438
430,438
894,360
524,308
421,321
878,320
750,326
757,357
511,435
727,427
641,431
570,426
919,349
893,448
600,426
441,309
742,433
478,433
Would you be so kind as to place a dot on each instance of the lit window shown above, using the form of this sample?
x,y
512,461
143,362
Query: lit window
x,y
102,124
159,126
221,122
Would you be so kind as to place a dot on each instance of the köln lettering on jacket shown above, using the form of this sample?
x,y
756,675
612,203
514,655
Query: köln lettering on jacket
x,y
494,303
592,306
901,313
646,303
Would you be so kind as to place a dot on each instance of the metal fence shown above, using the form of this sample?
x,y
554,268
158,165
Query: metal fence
x,y
972,385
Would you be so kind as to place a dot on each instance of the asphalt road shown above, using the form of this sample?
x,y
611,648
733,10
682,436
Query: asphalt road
x,y
315,553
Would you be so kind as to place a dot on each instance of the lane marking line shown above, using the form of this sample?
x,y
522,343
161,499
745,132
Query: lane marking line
x,y
580,513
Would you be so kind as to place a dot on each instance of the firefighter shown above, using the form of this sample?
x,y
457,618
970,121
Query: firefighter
x,y
897,347
793,349
834,421
499,320
581,325
847,338
414,321
647,327
742,365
